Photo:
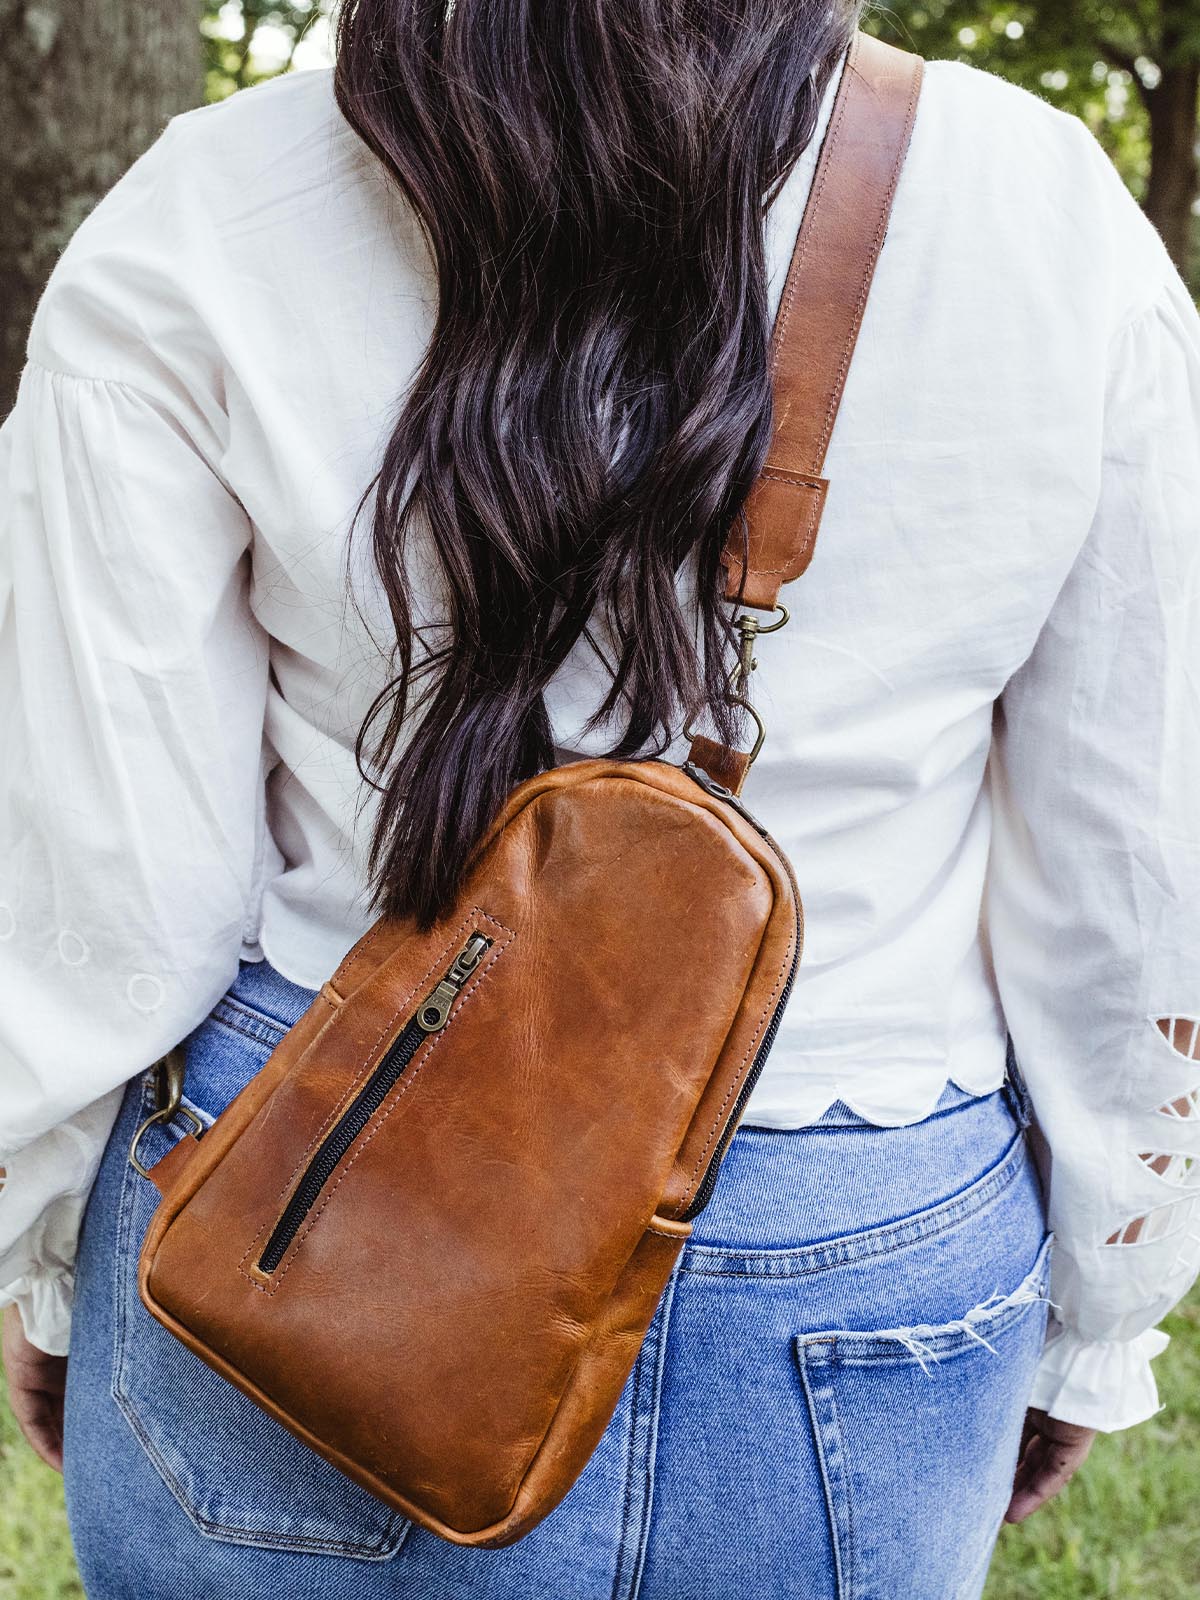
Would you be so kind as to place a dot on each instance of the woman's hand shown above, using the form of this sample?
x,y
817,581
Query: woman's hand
x,y
36,1384
1051,1454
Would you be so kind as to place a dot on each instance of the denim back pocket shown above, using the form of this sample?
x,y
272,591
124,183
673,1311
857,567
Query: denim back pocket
x,y
917,1429
237,1473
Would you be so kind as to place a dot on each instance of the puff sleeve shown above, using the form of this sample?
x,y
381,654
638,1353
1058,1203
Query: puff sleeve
x,y
133,679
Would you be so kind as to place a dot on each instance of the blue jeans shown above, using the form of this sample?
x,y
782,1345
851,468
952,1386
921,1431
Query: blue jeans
x,y
828,1403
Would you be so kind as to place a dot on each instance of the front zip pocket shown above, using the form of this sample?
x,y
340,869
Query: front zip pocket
x,y
430,1017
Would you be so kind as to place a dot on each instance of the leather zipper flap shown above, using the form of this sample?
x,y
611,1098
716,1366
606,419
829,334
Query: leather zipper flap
x,y
430,1017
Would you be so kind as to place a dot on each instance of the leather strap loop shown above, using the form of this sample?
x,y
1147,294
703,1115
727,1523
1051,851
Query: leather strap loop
x,y
821,311
723,765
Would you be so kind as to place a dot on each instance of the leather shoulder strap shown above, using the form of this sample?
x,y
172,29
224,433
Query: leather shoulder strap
x,y
821,310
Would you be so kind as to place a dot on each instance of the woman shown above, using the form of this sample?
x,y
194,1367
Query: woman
x,y
544,232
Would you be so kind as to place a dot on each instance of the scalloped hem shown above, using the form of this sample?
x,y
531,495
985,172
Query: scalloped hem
x,y
801,1110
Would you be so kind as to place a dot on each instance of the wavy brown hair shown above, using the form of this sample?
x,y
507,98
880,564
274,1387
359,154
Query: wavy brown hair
x,y
595,400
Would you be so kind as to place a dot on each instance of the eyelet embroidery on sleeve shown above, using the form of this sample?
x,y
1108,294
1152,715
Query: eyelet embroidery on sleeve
x,y
1179,1169
1183,1036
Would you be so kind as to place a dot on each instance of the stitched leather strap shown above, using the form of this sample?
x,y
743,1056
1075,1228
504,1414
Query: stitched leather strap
x,y
821,310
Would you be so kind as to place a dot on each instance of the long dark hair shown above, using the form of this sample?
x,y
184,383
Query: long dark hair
x,y
595,401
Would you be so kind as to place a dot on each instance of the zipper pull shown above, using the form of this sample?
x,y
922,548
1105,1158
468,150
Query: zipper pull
x,y
434,1011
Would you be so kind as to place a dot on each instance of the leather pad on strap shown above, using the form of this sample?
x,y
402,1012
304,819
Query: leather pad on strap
x,y
783,512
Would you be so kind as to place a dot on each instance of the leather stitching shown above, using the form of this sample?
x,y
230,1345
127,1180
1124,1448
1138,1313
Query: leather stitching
x,y
800,257
804,242
808,229
406,1082
364,1071
338,1014
741,1072
353,1086
344,972
810,531
872,260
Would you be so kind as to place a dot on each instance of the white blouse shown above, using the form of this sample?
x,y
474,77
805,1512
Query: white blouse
x,y
984,750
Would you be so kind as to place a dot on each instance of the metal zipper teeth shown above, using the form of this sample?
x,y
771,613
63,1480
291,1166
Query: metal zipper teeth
x,y
338,1141
358,1113
704,1193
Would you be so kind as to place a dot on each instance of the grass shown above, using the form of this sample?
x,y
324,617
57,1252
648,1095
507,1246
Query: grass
x,y
35,1553
1127,1528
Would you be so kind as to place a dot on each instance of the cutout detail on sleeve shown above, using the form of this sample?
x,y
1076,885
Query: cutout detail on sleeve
x,y
1178,1169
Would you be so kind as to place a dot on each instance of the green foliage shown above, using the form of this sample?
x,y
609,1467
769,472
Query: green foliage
x,y
35,1552
1127,1527
246,41
1088,70
1097,59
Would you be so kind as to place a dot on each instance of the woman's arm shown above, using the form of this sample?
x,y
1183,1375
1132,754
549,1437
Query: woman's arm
x,y
133,679
37,1384
1093,901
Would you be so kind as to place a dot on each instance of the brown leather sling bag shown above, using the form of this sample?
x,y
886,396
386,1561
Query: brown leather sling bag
x,y
430,1235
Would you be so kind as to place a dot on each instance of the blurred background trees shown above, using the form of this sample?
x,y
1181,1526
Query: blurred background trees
x,y
1131,71
85,85
248,40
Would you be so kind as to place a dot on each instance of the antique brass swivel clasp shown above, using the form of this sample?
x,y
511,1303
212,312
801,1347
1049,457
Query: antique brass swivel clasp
x,y
749,630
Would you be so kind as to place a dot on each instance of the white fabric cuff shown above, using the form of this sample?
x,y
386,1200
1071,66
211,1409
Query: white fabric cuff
x,y
1105,1384
44,1300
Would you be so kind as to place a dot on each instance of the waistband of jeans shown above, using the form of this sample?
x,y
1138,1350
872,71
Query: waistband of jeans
x,y
261,987
720,1260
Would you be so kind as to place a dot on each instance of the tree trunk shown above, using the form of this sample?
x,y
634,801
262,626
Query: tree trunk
x,y
85,87
1174,176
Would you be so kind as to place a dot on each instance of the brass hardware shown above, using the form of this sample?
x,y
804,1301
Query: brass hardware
x,y
785,616
750,630
470,956
434,1010
761,734
168,1095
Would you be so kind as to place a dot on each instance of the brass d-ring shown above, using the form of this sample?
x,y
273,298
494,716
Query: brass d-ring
x,y
168,1074
759,724
785,616
689,732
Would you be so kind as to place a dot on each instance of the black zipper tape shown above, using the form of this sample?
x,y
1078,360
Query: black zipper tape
x,y
430,1017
